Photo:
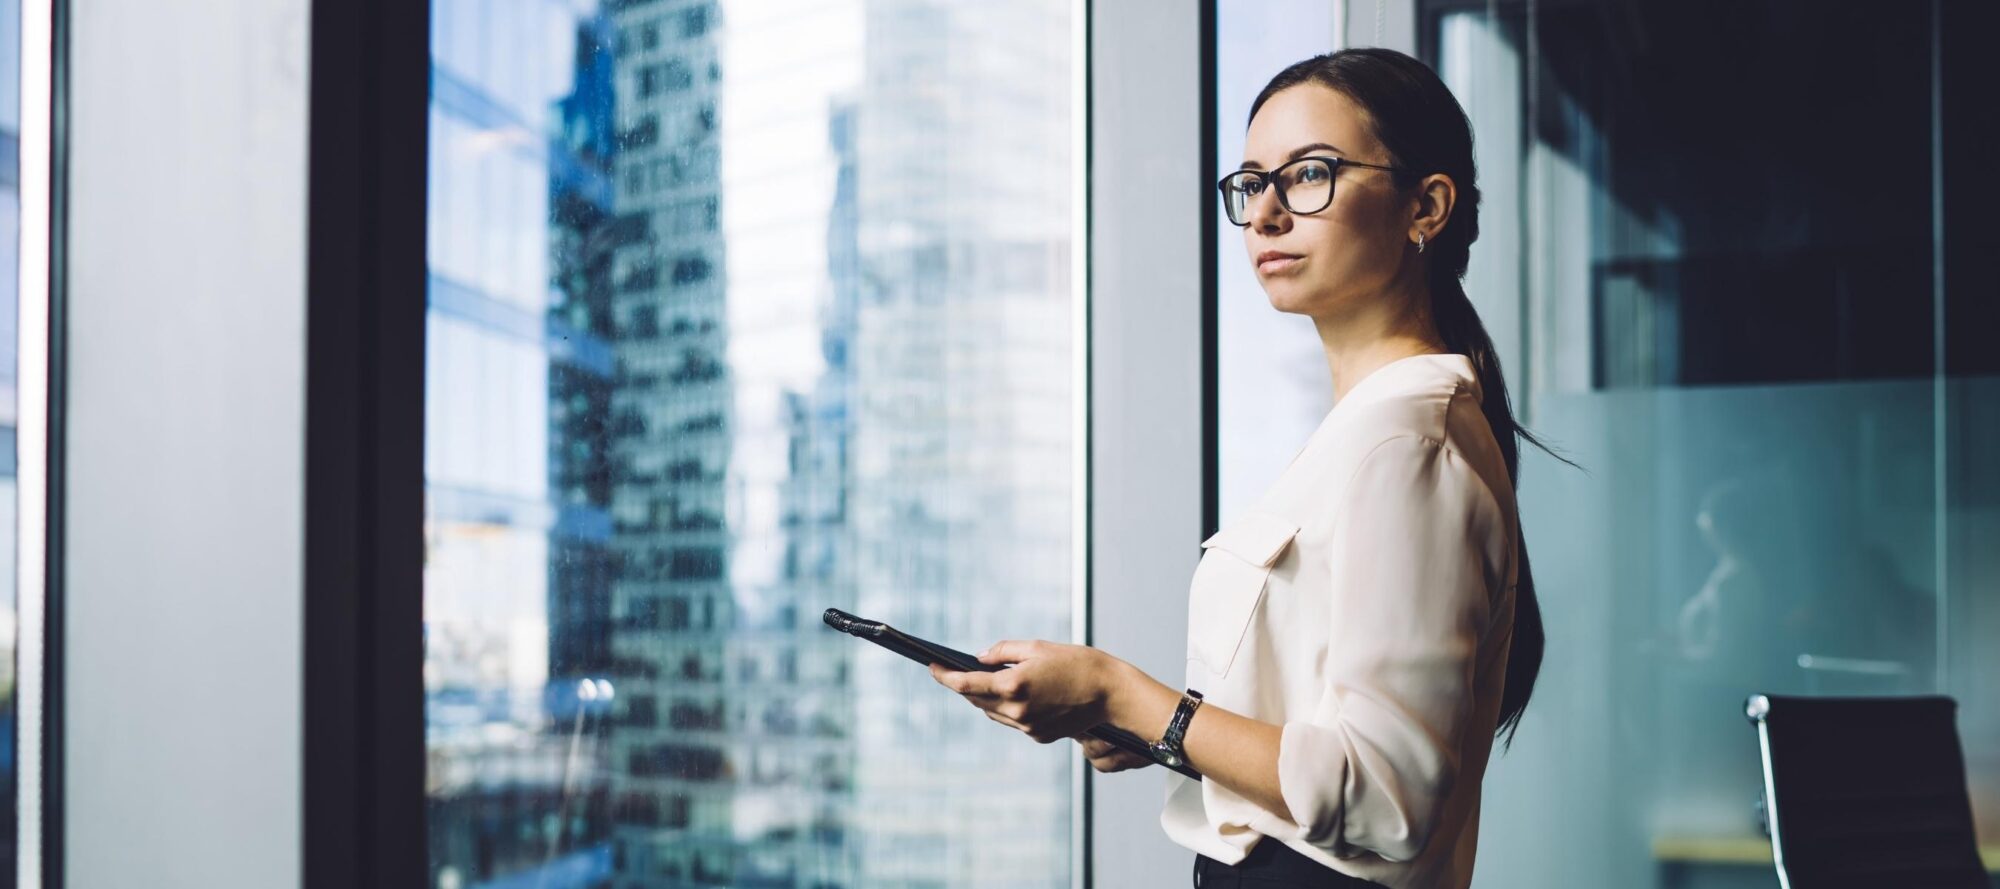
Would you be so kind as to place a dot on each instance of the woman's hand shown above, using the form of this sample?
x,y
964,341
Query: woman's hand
x,y
1105,757
1052,691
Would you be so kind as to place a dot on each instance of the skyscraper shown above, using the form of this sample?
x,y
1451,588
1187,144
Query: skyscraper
x,y
672,780
961,434
517,549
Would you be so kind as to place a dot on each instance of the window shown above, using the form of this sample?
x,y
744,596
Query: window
x,y
690,270
697,371
1272,387
10,245
694,21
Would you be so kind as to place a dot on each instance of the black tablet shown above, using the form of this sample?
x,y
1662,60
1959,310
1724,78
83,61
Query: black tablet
x,y
926,652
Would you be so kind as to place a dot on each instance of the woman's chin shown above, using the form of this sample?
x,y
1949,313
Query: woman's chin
x,y
1287,301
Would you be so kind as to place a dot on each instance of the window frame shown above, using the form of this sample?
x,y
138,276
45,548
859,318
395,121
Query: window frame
x,y
364,813
40,383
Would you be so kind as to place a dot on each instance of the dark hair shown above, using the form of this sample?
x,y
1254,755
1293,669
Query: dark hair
x,y
1417,119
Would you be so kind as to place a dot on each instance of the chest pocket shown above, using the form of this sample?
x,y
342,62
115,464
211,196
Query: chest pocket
x,y
1229,582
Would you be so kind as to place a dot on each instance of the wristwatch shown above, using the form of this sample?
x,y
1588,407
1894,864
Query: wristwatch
x,y
1167,750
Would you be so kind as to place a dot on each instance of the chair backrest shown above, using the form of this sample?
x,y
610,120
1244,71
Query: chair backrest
x,y
1866,792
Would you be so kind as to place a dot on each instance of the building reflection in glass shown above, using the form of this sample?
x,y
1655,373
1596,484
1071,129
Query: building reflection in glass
x,y
736,314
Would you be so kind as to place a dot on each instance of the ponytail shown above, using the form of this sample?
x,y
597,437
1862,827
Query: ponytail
x,y
1459,325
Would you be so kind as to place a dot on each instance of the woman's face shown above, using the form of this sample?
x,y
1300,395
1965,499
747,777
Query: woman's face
x,y
1355,246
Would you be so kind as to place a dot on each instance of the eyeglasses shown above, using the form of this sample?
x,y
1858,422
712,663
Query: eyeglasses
x,y
1304,186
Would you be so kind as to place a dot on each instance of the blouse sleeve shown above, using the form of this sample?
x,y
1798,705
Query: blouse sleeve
x,y
1411,600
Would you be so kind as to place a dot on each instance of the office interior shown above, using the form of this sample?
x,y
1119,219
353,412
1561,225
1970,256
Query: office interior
x,y
434,430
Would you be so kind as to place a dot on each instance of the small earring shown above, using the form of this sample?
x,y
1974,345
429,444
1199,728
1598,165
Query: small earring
x,y
1420,242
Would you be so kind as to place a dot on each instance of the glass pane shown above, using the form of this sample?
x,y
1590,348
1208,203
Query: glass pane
x,y
737,313
10,255
1720,298
1272,383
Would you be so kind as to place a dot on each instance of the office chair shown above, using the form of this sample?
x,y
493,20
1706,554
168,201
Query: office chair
x,y
1866,792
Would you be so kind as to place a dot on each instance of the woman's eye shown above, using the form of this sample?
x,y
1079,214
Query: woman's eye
x,y
1312,173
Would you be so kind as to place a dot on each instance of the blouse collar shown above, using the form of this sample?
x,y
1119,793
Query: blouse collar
x,y
1400,375
1411,371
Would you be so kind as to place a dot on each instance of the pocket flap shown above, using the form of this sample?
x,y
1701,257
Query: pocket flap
x,y
1256,537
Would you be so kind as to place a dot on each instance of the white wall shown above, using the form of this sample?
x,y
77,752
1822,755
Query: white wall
x,y
185,451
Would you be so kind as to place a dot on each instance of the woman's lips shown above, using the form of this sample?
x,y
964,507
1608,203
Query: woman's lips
x,y
1278,264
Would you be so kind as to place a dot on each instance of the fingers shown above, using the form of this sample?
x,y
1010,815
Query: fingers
x,y
1003,720
1094,747
1008,651
989,695
1120,761
975,683
1105,757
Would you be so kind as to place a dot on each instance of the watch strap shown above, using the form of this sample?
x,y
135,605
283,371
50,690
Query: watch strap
x,y
1169,745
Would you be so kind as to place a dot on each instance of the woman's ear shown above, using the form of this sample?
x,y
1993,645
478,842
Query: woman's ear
x,y
1436,195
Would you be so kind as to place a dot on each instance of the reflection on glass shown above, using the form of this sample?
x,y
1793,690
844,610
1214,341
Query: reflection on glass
x,y
1731,327
738,313
10,255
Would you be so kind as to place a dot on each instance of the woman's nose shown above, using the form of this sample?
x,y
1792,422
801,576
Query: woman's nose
x,y
1266,213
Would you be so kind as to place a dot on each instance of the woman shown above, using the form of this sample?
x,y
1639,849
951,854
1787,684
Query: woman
x,y
1359,636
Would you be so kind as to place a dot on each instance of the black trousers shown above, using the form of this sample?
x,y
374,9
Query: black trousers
x,y
1271,864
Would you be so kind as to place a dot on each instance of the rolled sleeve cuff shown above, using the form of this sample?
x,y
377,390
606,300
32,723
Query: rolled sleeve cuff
x,y
1316,778
1312,778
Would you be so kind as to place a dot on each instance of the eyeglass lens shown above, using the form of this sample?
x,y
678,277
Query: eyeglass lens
x,y
1304,187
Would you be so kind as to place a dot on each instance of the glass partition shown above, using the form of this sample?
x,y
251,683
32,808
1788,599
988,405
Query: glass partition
x,y
1718,275
741,311
1713,258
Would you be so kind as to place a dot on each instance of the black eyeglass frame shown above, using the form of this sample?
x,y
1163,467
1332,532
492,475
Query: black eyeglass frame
x,y
1271,179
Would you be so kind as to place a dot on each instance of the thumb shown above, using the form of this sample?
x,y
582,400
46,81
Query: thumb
x,y
1005,651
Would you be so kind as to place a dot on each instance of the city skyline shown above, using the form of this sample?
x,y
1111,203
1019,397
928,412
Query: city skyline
x,y
772,379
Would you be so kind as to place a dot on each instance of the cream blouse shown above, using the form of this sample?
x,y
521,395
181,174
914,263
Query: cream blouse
x,y
1366,603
